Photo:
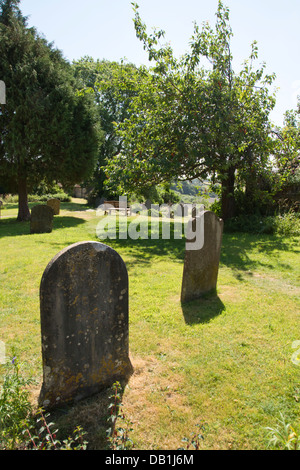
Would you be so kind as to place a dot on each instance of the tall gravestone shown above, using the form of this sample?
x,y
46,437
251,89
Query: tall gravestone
x,y
84,323
201,266
41,219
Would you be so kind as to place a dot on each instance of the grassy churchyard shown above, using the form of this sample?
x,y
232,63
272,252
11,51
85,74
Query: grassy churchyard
x,y
223,362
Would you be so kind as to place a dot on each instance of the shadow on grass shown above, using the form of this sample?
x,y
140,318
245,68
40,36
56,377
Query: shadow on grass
x,y
67,222
239,252
202,310
92,415
145,250
11,228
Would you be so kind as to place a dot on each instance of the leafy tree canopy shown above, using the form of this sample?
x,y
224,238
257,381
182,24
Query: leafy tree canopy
x,y
194,116
287,148
112,86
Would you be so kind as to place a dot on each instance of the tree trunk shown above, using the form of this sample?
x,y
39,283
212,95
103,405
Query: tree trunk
x,y
227,195
24,212
250,189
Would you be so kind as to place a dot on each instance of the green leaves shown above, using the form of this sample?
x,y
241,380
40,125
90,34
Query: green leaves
x,y
190,120
15,407
118,436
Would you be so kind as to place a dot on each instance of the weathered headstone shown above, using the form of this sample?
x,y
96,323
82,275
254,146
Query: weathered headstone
x,y
201,266
55,204
41,219
84,323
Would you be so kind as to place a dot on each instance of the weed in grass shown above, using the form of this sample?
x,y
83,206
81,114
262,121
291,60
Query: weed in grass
x,y
15,408
118,435
283,436
19,422
194,442
46,439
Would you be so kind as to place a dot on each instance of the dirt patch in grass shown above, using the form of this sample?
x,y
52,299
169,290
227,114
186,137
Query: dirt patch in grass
x,y
152,400
277,284
155,403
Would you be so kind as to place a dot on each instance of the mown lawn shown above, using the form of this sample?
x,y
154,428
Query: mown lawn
x,y
223,361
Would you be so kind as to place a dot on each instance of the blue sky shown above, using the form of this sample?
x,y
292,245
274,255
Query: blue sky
x,y
104,29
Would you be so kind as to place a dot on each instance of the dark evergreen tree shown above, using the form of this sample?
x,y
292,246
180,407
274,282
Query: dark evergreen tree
x,y
48,130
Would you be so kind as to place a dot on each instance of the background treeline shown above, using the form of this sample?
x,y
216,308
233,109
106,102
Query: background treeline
x,y
188,127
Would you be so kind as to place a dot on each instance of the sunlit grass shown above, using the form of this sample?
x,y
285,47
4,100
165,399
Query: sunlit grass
x,y
224,360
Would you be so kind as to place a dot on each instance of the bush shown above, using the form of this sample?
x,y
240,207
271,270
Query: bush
x,y
15,408
250,224
11,198
216,207
19,424
47,439
62,196
118,435
287,225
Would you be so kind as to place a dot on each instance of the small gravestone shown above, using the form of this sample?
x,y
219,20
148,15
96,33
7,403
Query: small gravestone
x,y
201,266
55,205
41,219
84,323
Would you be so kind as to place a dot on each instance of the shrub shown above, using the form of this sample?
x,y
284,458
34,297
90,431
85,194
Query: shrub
x,y
47,439
19,425
287,225
62,196
118,436
250,224
284,436
15,408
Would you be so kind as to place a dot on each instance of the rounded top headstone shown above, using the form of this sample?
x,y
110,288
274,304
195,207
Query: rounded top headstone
x,y
84,322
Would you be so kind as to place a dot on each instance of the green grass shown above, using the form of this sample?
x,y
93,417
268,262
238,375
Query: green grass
x,y
224,360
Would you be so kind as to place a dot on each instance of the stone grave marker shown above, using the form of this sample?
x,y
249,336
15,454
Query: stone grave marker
x,y
41,219
55,204
84,323
201,266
